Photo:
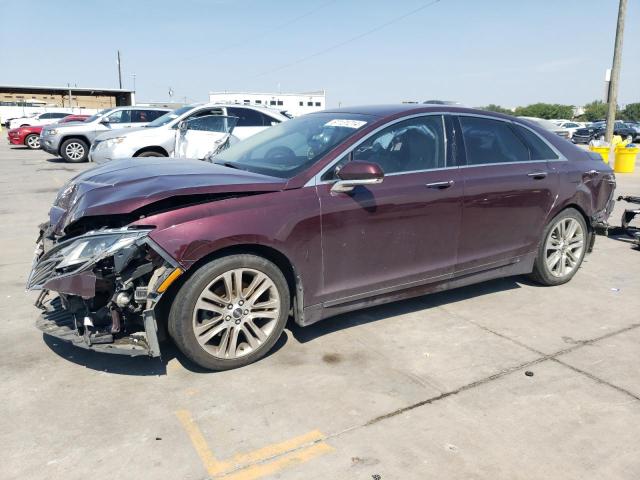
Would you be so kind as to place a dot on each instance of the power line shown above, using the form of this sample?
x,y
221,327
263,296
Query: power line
x,y
349,40
265,32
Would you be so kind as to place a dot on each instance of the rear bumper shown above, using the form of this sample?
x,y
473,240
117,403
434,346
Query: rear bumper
x,y
57,322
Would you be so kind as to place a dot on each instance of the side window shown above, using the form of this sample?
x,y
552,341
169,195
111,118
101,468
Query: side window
x,y
411,145
538,148
249,118
144,116
120,116
209,123
58,115
44,116
491,141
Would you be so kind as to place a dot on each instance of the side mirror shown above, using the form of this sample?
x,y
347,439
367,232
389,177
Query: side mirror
x,y
183,127
357,172
104,121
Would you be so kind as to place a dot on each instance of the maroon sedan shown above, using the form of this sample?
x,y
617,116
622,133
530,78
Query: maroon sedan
x,y
321,215
29,136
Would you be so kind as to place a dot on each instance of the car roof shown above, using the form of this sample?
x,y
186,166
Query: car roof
x,y
392,110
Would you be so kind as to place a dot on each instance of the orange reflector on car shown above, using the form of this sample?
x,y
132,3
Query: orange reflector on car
x,y
170,279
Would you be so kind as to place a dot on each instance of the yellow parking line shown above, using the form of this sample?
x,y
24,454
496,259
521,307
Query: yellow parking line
x,y
297,457
276,448
199,442
248,466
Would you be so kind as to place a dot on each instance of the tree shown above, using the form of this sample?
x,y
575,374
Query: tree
x,y
631,112
498,109
596,110
546,110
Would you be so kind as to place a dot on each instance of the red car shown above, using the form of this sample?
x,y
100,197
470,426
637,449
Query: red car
x,y
30,136
320,215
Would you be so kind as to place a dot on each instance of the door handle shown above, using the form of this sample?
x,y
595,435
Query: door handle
x,y
440,185
537,175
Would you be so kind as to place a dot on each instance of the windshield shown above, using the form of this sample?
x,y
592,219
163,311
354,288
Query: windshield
x,y
97,115
290,147
167,117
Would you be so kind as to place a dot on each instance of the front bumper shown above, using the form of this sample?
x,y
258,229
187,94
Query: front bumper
x,y
50,144
108,305
57,322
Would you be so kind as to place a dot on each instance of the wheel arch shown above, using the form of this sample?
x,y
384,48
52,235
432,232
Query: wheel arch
x,y
71,137
587,220
154,148
294,282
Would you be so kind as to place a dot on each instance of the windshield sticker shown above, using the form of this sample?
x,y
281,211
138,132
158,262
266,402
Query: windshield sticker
x,y
345,123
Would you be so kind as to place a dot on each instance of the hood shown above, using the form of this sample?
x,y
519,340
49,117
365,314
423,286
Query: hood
x,y
135,132
124,186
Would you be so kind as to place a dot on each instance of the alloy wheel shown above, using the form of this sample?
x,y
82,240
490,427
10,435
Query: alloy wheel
x,y
236,313
33,141
563,249
75,151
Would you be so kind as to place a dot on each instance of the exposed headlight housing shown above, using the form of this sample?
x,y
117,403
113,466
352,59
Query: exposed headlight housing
x,y
53,131
81,253
89,249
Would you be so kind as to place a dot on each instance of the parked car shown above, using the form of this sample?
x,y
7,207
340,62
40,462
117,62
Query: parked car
x,y
158,139
72,141
570,126
324,214
598,129
37,120
30,136
547,124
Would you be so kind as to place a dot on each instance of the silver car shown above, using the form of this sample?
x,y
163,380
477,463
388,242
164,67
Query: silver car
x,y
71,141
158,138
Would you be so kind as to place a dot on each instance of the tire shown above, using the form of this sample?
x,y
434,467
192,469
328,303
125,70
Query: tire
x,y
151,154
74,150
237,334
562,249
32,141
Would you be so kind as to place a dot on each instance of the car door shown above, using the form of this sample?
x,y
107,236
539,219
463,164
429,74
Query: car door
x,y
250,121
398,233
509,192
197,137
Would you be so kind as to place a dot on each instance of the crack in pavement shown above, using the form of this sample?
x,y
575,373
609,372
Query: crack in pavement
x,y
543,357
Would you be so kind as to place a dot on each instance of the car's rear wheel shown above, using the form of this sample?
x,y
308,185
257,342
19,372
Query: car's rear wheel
x,y
74,150
563,246
32,141
230,312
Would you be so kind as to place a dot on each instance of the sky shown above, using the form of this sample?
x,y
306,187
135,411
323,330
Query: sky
x,y
507,52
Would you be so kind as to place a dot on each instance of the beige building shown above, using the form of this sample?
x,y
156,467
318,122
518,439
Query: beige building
x,y
90,98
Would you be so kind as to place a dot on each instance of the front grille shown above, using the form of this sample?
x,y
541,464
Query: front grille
x,y
43,270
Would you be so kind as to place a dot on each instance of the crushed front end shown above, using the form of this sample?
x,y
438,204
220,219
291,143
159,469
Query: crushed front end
x,y
100,289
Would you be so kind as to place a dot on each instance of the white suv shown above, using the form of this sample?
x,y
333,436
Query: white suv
x,y
37,119
158,138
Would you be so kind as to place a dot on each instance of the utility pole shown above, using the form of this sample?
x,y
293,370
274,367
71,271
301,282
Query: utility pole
x,y
69,87
615,74
134,81
119,71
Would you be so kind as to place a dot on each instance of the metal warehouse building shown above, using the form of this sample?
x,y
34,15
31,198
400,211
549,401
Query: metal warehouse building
x,y
64,97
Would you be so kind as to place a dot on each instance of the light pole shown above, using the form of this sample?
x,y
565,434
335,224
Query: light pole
x,y
133,75
615,75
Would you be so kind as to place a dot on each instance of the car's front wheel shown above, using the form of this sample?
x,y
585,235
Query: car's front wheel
x,y
32,141
74,150
230,312
563,246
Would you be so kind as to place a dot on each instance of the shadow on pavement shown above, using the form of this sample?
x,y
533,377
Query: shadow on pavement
x,y
374,314
137,366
